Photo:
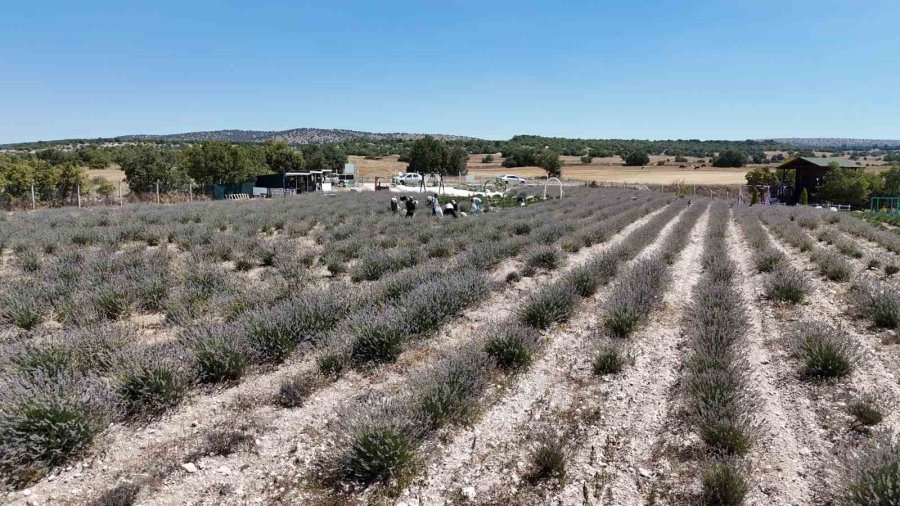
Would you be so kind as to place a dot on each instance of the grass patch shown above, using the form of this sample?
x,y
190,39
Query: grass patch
x,y
723,484
876,301
45,421
553,304
376,444
123,494
872,475
293,391
547,460
786,284
545,257
866,411
826,351
150,383
609,360
448,391
511,346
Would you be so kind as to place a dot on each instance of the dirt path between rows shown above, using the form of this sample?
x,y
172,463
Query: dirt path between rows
x,y
878,371
780,456
608,465
825,433
487,461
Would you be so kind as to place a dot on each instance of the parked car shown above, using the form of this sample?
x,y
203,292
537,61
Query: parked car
x,y
510,179
408,178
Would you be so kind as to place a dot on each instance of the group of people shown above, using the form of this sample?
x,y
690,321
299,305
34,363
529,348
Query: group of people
x,y
408,205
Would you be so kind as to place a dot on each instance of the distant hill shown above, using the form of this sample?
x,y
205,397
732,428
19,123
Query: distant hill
x,y
839,142
293,136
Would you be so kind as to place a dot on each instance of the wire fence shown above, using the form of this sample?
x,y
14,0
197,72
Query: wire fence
x,y
38,197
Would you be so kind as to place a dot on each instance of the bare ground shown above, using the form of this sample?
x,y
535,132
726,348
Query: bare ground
x,y
609,465
819,418
488,461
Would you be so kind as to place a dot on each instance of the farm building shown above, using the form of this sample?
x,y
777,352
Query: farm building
x,y
288,183
273,185
810,172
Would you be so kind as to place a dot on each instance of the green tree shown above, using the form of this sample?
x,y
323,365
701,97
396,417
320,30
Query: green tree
x,y
145,164
92,157
731,158
549,161
329,157
220,162
16,174
281,158
519,156
876,183
429,155
845,186
759,157
488,158
333,158
66,180
804,198
457,163
762,176
587,159
55,156
636,158
103,187
892,181
754,196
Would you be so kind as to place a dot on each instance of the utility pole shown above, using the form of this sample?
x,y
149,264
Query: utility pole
x,y
157,191
32,194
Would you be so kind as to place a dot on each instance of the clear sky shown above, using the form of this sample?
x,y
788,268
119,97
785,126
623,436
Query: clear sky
x,y
625,69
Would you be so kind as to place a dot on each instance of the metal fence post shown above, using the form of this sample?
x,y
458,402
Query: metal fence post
x,y
78,190
120,193
157,191
32,194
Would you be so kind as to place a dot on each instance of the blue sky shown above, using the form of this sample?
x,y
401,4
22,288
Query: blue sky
x,y
624,69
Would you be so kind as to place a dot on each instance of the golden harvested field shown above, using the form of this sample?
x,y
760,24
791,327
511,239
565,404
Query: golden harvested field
x,y
113,174
609,170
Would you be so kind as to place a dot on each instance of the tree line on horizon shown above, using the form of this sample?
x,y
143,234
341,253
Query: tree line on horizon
x,y
59,173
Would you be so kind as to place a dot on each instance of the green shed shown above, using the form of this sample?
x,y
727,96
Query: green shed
x,y
220,190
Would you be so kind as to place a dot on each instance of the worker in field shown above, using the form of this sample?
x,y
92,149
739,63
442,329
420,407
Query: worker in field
x,y
449,210
476,205
455,206
436,207
411,207
395,206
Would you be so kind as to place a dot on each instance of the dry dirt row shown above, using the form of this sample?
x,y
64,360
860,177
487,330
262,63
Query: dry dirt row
x,y
613,463
160,447
880,358
817,410
789,433
487,461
